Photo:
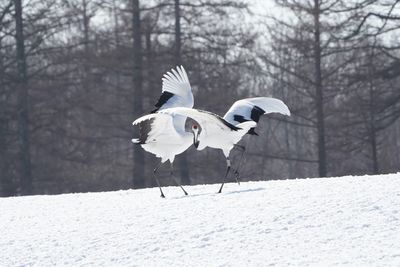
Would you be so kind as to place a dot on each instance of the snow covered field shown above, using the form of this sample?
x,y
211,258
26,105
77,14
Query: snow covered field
x,y
348,221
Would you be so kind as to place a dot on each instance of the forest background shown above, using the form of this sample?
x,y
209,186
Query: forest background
x,y
74,74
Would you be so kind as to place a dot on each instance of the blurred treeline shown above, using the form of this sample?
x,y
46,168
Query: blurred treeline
x,y
74,74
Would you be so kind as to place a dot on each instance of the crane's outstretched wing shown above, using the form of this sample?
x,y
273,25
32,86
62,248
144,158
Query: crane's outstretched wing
x,y
176,90
251,109
155,128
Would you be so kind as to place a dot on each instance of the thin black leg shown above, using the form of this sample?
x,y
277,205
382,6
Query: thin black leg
x,y
237,176
176,180
156,178
243,148
228,163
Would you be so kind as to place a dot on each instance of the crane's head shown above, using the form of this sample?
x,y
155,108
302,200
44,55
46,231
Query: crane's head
x,y
196,132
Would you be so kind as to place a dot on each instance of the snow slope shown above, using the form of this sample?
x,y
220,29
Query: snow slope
x,y
348,221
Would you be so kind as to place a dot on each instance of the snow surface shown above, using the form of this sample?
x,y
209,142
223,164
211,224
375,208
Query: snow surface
x,y
348,221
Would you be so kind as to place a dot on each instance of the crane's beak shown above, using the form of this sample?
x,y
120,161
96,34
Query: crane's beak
x,y
196,140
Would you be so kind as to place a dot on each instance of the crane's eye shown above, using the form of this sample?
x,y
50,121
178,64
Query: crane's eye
x,y
195,126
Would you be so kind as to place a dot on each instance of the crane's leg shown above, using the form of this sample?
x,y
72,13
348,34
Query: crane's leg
x,y
156,178
176,181
228,164
243,148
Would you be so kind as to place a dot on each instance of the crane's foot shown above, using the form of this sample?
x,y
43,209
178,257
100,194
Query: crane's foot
x,y
184,191
220,189
237,177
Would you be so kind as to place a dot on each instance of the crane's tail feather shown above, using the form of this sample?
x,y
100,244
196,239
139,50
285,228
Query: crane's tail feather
x,y
136,141
252,131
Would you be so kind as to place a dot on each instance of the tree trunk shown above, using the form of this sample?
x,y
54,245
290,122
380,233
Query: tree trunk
x,y
319,94
284,94
138,179
6,185
178,56
372,130
86,20
397,136
23,110
375,165
183,161
115,16
3,123
150,67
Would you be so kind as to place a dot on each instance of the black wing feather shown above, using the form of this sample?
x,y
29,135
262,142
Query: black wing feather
x,y
144,129
164,97
256,113
239,118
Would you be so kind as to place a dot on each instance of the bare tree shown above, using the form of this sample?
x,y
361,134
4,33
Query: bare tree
x,y
23,106
138,156
183,162
313,35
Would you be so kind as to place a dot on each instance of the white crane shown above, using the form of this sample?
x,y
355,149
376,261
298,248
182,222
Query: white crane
x,y
224,133
163,135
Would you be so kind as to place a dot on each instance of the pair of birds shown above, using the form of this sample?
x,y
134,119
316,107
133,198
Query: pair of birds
x,y
163,132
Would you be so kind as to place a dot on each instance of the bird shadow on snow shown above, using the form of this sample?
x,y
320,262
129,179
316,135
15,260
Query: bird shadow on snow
x,y
245,191
223,193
